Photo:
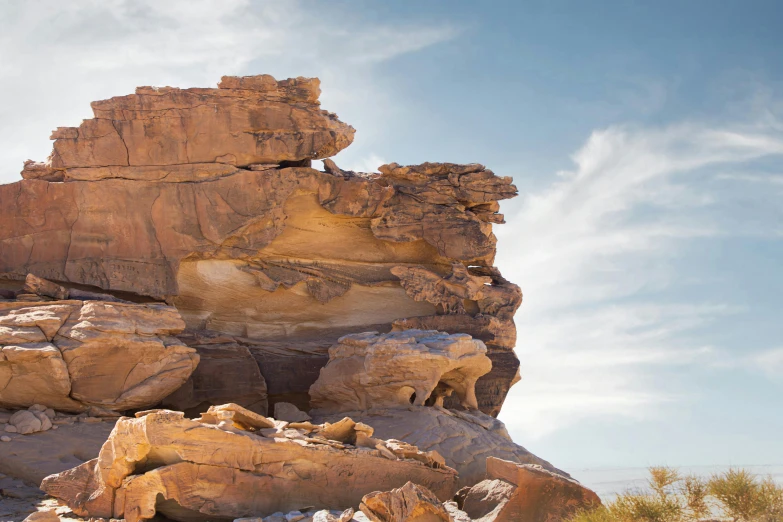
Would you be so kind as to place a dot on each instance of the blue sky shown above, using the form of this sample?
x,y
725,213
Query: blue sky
x,y
646,139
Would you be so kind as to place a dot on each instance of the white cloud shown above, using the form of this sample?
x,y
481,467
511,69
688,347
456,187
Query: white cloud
x,y
57,57
769,362
591,254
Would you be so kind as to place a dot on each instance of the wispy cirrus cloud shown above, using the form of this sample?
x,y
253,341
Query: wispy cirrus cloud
x,y
593,255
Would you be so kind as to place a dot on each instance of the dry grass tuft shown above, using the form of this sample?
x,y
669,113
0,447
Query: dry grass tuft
x,y
735,495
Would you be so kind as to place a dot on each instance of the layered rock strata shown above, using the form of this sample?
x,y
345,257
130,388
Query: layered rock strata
x,y
73,355
204,198
233,463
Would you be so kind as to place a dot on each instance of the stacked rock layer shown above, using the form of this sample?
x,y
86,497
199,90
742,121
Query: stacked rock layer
x,y
204,199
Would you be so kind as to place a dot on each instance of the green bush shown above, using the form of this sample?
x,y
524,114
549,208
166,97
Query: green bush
x,y
735,495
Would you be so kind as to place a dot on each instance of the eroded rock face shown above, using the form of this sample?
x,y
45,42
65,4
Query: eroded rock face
x,y
372,370
203,198
70,355
227,465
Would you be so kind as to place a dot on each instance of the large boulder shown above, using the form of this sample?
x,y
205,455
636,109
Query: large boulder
x,y
230,463
513,492
372,370
71,355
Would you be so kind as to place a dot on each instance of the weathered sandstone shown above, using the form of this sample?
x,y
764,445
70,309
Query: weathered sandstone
x,y
203,198
244,121
372,370
410,503
215,467
287,254
73,355
178,251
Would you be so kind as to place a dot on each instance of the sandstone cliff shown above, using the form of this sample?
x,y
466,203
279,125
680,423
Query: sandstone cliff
x,y
178,260
204,199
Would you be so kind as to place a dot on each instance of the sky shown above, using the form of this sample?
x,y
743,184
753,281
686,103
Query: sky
x,y
646,140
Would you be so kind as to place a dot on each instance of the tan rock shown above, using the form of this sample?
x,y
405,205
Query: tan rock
x,y
233,124
74,355
515,491
397,369
42,287
43,171
35,372
410,503
429,194
197,470
500,299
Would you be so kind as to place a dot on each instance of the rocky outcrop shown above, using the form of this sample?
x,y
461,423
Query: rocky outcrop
x,y
227,464
73,355
178,251
372,370
251,120
204,198
513,492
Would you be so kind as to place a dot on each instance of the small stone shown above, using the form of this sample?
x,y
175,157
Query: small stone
x,y
324,516
26,422
5,438
37,408
275,517
10,428
46,423
90,420
294,516
50,413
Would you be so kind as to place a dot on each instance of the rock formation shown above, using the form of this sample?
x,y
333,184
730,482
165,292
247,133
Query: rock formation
x,y
204,198
233,463
73,355
178,252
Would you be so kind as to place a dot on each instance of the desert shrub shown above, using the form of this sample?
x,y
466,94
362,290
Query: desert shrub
x,y
694,492
736,494
744,498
